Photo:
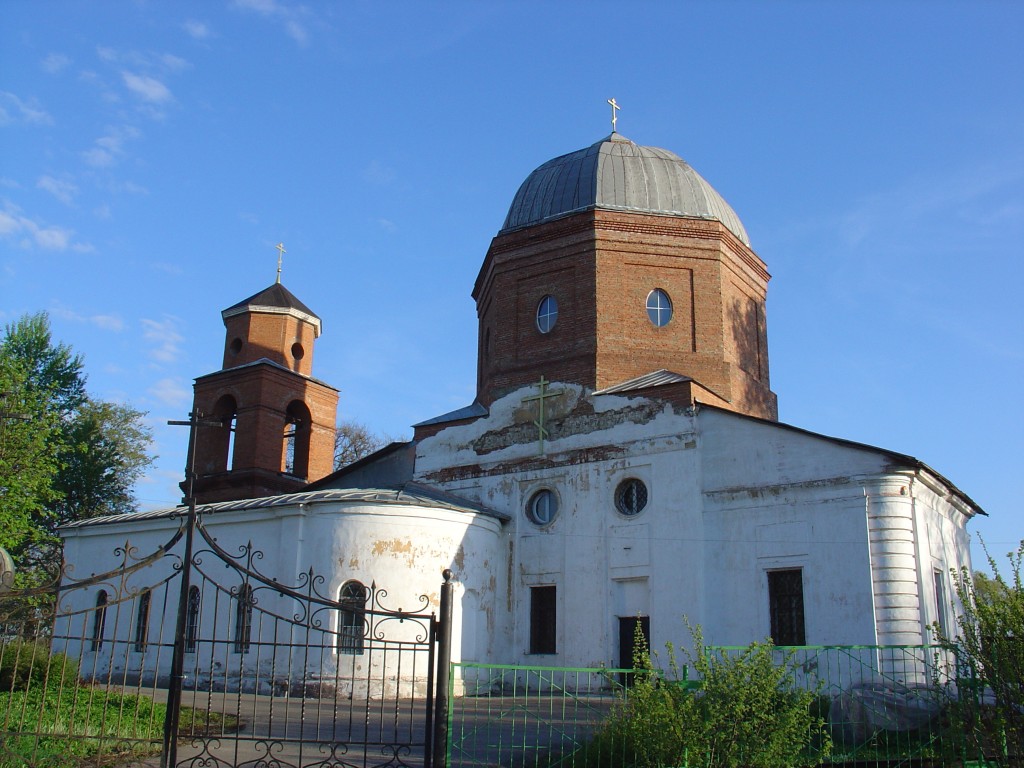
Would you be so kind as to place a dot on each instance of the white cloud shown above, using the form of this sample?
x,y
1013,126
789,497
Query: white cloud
x,y
147,88
163,335
64,191
55,63
13,109
264,7
134,189
173,63
98,157
197,29
28,233
52,238
171,392
104,322
272,9
108,148
296,32
108,322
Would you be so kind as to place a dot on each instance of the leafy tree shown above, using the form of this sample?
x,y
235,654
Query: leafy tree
x,y
991,643
63,455
28,464
104,454
353,441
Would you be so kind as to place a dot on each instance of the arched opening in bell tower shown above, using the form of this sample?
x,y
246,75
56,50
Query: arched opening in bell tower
x,y
222,441
295,447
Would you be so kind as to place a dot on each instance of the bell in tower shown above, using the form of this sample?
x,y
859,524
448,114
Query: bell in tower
x,y
277,421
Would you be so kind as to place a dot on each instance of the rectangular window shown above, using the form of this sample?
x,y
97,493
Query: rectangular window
x,y
142,620
542,619
940,601
786,605
192,620
243,619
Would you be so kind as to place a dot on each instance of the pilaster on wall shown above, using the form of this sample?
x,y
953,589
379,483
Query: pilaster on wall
x,y
894,567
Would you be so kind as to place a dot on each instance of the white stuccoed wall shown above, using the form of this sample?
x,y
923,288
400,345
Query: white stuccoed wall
x,y
402,547
730,498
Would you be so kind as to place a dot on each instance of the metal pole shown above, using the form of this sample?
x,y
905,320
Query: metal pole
x,y
169,757
444,659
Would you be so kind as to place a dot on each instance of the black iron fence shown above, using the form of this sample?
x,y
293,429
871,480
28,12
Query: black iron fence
x,y
190,655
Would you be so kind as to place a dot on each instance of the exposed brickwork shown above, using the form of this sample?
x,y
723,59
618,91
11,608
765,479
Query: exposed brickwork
x,y
264,398
601,266
254,335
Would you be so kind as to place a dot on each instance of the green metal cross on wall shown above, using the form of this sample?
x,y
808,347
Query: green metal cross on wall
x,y
544,393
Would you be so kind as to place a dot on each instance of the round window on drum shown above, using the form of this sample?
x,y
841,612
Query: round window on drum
x,y
547,314
659,308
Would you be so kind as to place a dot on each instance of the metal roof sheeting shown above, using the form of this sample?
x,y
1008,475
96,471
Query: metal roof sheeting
x,y
412,494
617,174
654,379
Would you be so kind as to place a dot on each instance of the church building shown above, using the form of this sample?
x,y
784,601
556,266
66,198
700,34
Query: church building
x,y
622,464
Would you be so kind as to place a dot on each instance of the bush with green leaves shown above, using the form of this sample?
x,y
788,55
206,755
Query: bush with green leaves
x,y
746,711
990,647
26,663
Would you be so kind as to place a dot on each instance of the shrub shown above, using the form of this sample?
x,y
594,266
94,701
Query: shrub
x,y
25,663
748,711
990,648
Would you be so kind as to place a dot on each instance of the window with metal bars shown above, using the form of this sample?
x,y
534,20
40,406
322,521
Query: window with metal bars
x,y
786,605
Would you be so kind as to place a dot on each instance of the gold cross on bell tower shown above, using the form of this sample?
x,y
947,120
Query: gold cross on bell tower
x,y
615,108
280,252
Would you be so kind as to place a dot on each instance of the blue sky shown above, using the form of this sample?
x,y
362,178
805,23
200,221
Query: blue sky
x,y
152,155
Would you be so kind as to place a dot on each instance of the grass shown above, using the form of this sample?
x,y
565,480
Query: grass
x,y
65,727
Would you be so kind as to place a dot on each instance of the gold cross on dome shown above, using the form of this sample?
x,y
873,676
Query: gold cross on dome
x,y
280,252
544,392
615,108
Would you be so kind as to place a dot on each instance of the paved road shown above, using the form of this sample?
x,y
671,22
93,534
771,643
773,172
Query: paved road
x,y
486,731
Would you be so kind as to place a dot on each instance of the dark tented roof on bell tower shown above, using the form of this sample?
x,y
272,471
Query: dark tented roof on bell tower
x,y
275,296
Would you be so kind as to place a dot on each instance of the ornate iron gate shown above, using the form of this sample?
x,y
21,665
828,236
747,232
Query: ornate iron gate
x,y
192,653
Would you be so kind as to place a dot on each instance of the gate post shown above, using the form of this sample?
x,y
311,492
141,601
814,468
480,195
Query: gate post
x,y
169,756
444,660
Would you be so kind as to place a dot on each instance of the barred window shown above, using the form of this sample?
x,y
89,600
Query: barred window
x,y
142,620
99,621
243,619
786,605
631,497
352,618
192,620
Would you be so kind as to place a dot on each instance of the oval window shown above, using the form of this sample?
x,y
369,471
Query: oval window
x,y
631,497
659,307
547,314
543,507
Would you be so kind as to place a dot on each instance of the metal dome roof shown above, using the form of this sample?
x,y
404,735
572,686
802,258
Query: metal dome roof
x,y
619,175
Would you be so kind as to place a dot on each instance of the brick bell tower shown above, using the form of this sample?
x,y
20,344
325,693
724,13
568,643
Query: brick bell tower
x,y
278,421
617,262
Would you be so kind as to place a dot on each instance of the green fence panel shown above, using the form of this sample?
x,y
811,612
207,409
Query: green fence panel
x,y
885,705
